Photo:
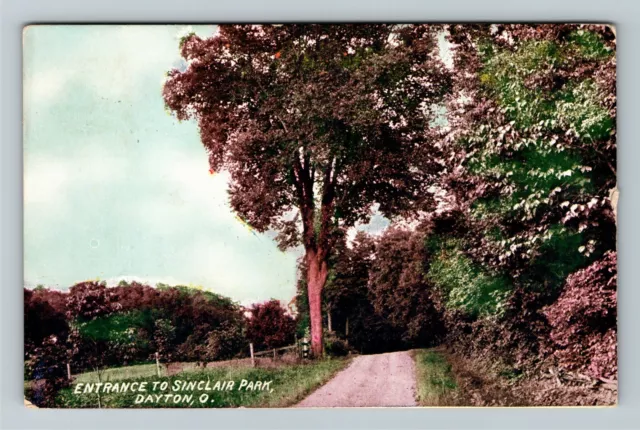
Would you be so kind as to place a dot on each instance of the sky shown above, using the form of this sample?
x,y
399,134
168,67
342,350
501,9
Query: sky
x,y
115,187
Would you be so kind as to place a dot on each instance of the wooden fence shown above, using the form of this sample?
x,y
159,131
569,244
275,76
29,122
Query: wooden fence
x,y
274,352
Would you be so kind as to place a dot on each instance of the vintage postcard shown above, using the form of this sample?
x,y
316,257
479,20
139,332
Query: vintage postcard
x,y
306,215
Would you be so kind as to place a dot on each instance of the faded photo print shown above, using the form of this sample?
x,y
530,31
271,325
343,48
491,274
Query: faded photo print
x,y
320,215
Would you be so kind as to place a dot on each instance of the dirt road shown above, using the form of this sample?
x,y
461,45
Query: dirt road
x,y
370,380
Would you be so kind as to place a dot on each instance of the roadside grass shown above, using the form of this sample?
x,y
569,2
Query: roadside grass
x,y
435,382
289,385
121,373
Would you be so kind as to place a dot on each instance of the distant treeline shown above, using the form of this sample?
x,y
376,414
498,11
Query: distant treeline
x,y
92,326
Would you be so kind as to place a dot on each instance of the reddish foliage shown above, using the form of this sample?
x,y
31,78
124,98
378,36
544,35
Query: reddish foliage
x,y
518,339
351,298
90,299
270,326
44,316
583,319
399,290
48,362
134,296
301,126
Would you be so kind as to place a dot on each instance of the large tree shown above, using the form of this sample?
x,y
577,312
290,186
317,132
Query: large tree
x,y
316,124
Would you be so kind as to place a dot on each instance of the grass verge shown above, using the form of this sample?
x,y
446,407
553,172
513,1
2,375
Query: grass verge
x,y
121,373
288,385
435,382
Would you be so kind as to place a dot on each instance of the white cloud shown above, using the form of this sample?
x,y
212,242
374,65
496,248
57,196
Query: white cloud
x,y
133,52
250,276
113,61
191,177
147,208
46,179
187,187
45,86
96,163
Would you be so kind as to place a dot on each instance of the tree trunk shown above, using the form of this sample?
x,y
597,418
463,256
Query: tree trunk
x,y
316,277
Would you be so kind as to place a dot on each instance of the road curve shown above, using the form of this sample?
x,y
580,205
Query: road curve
x,y
369,381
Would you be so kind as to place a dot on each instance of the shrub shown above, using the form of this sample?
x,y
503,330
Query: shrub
x,y
334,346
583,319
225,342
44,316
163,335
48,362
270,326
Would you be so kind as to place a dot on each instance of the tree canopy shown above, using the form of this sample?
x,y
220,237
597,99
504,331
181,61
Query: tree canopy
x,y
316,124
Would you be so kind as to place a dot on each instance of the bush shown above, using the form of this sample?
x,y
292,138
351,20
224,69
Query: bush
x,y
48,363
583,319
44,316
270,326
225,342
163,335
334,346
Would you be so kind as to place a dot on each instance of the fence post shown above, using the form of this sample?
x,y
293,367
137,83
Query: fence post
x,y
157,364
274,354
69,371
346,331
253,360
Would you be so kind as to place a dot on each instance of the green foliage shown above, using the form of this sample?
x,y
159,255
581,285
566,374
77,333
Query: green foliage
x,y
334,346
543,150
589,45
510,76
466,285
303,319
193,290
164,335
185,38
511,374
225,342
536,177
557,257
536,156
114,327
579,111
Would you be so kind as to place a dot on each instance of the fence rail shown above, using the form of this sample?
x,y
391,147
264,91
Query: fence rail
x,y
274,350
